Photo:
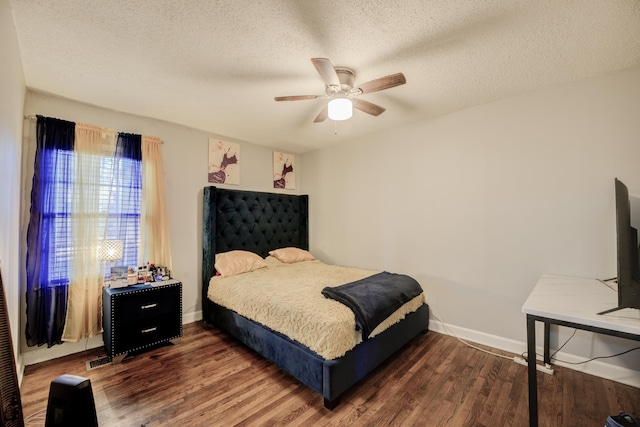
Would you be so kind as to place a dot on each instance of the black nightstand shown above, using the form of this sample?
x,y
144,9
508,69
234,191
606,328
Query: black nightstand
x,y
140,316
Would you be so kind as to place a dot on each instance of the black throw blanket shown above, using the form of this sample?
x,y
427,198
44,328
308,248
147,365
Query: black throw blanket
x,y
374,298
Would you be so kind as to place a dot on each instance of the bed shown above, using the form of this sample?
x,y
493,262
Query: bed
x,y
260,222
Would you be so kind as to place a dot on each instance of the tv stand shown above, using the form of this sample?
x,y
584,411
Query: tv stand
x,y
611,310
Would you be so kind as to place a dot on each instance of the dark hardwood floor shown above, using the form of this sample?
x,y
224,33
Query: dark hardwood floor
x,y
209,379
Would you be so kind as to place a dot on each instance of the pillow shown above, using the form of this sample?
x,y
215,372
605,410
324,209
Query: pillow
x,y
236,262
291,255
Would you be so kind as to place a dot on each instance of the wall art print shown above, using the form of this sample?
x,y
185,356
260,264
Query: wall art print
x,y
224,162
284,174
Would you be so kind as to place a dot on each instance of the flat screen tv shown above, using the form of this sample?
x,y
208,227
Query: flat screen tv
x,y
627,223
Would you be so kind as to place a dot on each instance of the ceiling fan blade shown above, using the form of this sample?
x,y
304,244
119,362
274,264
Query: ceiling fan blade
x,y
382,83
326,71
322,116
296,97
368,107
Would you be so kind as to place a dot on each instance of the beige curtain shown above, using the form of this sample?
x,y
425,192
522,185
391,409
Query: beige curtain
x,y
154,229
84,311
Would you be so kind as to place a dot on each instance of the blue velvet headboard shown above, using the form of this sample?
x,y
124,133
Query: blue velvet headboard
x,y
252,221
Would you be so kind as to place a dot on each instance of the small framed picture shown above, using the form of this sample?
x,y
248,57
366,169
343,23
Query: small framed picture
x,y
119,277
284,174
224,162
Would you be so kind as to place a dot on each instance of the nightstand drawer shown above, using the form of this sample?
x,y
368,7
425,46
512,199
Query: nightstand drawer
x,y
142,305
136,335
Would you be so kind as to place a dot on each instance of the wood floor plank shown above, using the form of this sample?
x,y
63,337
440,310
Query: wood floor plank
x,y
210,379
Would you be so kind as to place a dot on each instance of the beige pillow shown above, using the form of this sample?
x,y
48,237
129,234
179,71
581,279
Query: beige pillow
x,y
236,262
291,255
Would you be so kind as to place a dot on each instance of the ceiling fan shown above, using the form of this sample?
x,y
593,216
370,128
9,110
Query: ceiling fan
x,y
340,90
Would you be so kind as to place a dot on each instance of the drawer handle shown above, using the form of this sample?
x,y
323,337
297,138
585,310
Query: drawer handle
x,y
146,331
145,307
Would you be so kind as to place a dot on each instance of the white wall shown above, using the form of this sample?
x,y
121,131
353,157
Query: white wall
x,y
476,205
185,153
12,93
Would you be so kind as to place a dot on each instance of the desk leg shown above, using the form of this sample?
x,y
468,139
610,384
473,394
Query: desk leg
x,y
531,370
547,333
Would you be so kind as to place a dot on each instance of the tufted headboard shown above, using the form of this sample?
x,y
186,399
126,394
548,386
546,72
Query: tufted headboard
x,y
252,221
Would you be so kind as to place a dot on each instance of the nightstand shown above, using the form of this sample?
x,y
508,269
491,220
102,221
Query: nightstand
x,y
140,316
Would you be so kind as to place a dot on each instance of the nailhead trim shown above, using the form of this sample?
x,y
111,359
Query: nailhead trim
x,y
113,319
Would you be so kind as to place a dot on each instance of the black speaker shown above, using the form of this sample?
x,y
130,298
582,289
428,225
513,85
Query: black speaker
x,y
71,403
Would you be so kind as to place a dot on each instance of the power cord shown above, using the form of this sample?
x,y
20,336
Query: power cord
x,y
525,355
444,325
565,343
600,357
606,283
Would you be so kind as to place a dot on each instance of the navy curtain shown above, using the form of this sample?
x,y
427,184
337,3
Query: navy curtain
x,y
124,208
49,228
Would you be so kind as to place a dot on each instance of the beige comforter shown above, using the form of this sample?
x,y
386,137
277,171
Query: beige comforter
x,y
287,298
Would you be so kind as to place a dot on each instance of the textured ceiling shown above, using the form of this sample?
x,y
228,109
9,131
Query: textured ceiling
x,y
217,65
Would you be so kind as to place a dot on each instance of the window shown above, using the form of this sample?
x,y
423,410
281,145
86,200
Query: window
x,y
118,208
87,187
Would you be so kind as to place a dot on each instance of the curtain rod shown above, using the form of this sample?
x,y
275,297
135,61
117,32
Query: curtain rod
x,y
32,117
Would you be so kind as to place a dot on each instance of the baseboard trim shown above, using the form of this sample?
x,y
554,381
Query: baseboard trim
x,y
43,354
19,369
191,317
595,367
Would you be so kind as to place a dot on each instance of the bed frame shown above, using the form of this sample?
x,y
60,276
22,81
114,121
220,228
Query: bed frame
x,y
260,222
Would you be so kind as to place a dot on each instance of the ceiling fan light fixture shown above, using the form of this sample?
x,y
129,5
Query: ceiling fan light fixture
x,y
340,109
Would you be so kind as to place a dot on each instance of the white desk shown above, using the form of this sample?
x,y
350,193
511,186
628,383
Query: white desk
x,y
575,303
